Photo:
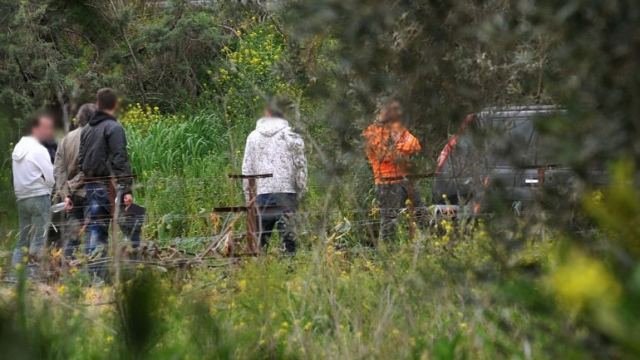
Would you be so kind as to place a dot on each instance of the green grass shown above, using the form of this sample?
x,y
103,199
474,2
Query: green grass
x,y
417,300
181,167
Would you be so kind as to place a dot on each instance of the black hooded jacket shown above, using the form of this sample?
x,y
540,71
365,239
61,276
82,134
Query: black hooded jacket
x,y
103,150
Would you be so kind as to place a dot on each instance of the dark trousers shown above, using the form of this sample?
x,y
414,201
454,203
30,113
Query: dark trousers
x,y
280,217
134,237
74,220
130,223
99,215
393,199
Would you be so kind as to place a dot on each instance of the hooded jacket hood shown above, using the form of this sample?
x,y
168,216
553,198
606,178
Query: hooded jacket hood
x,y
23,147
270,126
274,148
99,117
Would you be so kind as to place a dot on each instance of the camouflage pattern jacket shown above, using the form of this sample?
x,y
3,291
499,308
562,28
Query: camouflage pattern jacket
x,y
274,148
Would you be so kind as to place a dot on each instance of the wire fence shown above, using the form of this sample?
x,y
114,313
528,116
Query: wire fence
x,y
214,232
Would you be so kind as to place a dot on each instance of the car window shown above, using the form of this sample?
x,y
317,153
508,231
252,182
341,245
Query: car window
x,y
497,141
507,141
548,149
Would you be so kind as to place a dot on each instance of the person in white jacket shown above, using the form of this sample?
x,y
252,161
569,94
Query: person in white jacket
x,y
275,148
33,182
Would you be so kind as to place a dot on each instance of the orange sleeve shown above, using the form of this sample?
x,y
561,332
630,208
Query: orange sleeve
x,y
372,140
408,144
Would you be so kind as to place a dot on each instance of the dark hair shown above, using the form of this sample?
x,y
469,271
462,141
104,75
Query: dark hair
x,y
385,104
106,99
277,105
85,113
33,121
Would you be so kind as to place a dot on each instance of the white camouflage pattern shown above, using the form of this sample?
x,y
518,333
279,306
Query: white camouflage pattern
x,y
274,148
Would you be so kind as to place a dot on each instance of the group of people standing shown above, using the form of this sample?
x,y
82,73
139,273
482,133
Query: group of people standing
x,y
87,161
91,168
90,174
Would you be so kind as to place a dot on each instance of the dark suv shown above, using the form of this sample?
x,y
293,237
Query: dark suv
x,y
499,154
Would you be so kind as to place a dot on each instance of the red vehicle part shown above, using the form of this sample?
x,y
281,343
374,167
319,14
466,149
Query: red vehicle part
x,y
451,144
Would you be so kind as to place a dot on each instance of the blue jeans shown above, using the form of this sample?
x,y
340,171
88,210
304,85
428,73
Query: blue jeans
x,y
34,215
280,218
99,214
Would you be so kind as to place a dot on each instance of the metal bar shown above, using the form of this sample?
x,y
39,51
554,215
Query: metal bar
x,y
237,209
245,177
541,173
252,217
108,178
251,209
115,243
412,211
231,209
409,177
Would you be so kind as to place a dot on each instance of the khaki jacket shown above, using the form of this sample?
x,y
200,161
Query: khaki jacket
x,y
66,171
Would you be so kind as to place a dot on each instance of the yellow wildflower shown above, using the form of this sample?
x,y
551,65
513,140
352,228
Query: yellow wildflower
x,y
242,284
583,280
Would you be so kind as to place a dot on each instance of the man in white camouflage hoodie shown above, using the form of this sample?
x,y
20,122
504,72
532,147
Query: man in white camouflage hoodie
x,y
274,148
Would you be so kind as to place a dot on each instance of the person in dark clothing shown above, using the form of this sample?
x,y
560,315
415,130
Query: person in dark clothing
x,y
103,156
52,148
54,236
131,219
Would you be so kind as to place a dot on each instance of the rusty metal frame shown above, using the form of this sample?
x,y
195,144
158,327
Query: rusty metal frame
x,y
251,209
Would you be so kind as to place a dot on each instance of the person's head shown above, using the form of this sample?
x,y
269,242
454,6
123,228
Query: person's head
x,y
85,113
391,112
107,100
276,107
42,127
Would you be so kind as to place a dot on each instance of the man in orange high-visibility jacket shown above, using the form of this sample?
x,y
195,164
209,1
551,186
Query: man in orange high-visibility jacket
x,y
389,147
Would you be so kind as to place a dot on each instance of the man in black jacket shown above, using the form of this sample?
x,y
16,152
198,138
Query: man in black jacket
x,y
103,157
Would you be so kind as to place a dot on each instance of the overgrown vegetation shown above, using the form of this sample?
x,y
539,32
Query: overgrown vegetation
x,y
194,78
423,299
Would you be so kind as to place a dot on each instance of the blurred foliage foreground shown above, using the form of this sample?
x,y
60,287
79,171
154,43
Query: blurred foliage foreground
x,y
454,294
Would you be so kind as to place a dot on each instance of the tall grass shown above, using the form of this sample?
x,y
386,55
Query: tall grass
x,y
167,146
451,303
182,169
182,165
